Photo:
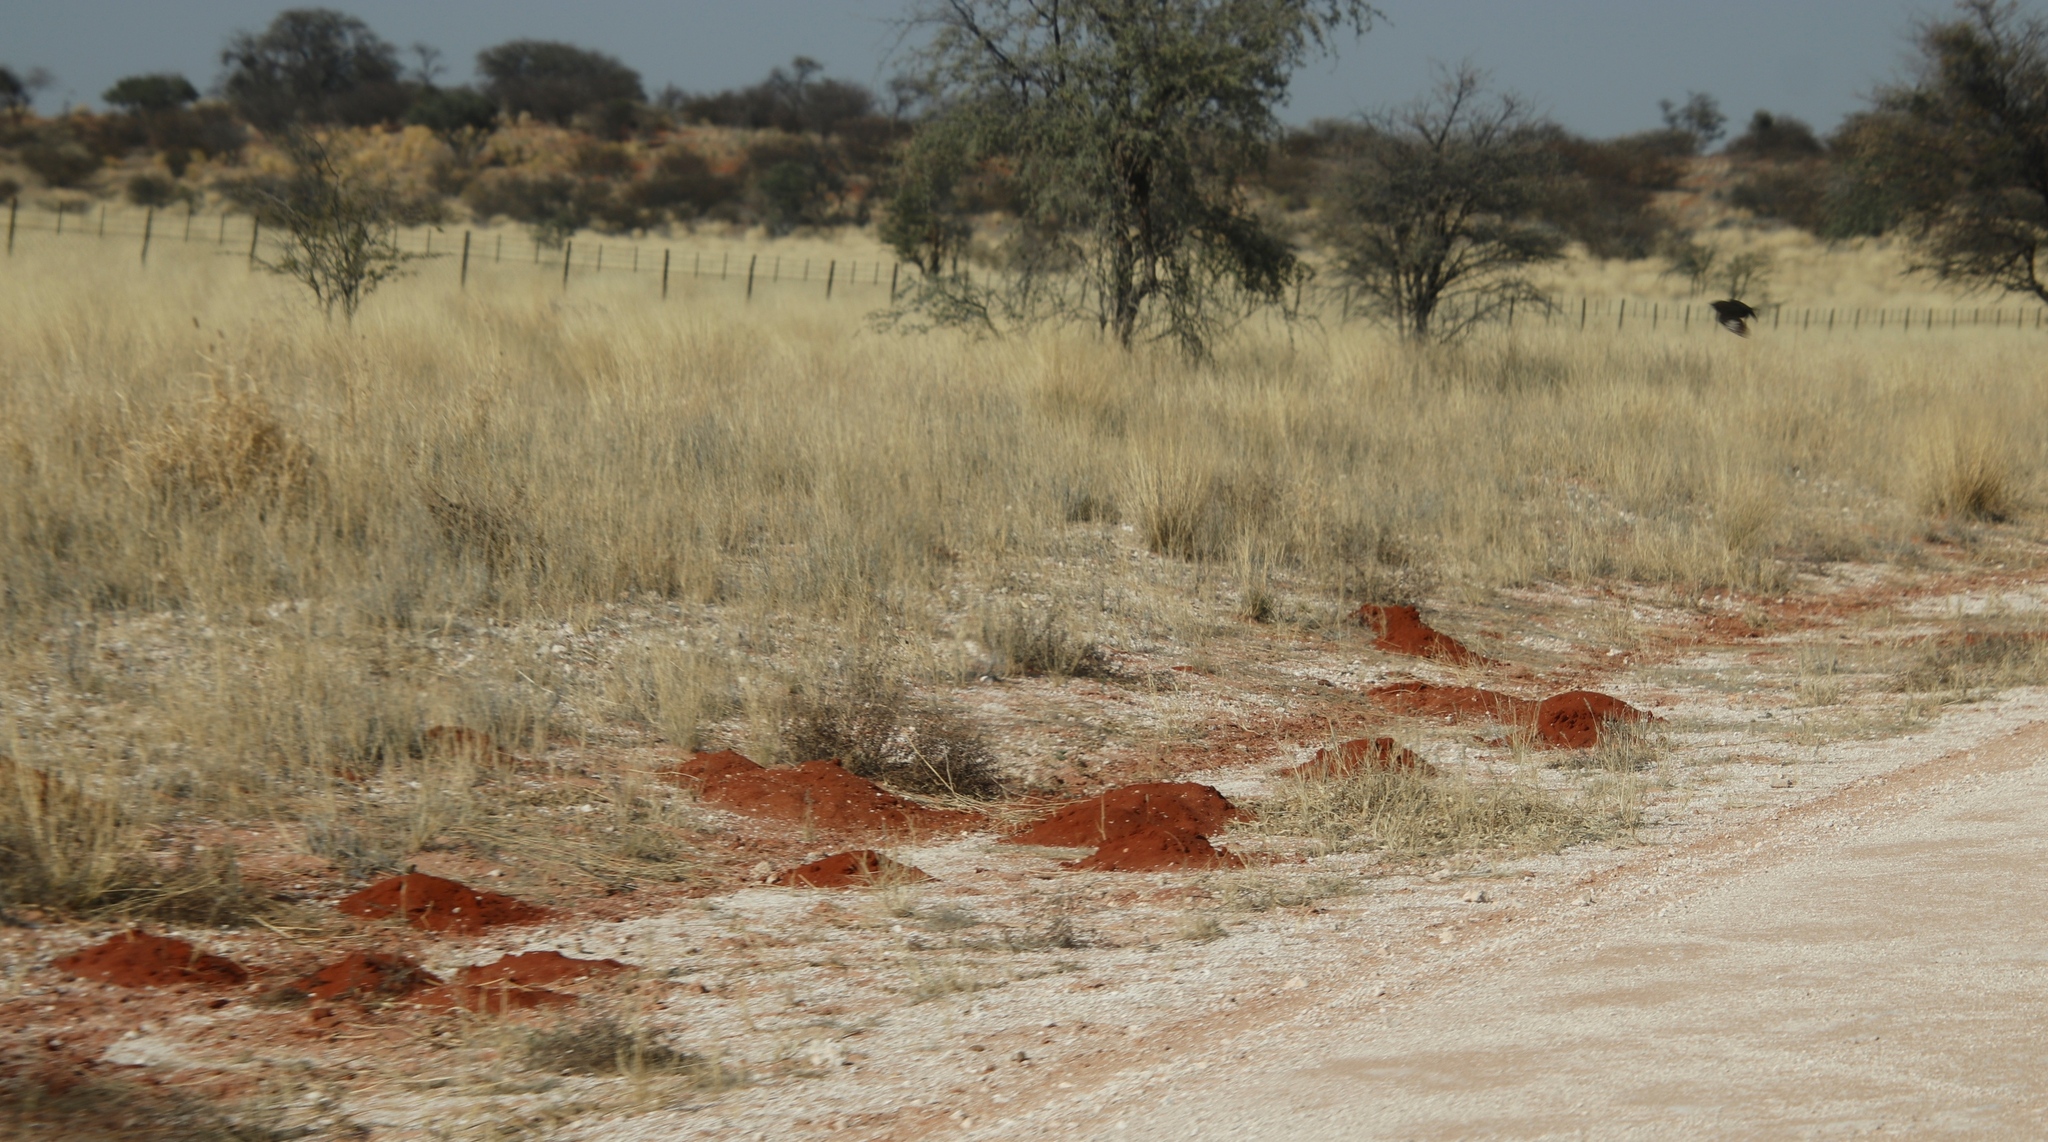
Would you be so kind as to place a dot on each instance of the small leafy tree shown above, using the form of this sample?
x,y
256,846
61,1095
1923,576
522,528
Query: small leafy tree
x,y
1961,154
337,230
1434,214
165,91
1126,129
1698,120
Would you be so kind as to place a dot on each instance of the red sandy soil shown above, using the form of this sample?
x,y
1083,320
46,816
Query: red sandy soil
x,y
367,976
1181,805
858,869
1400,630
534,969
489,998
1153,848
1362,753
1574,719
136,959
1425,699
819,793
1571,720
435,904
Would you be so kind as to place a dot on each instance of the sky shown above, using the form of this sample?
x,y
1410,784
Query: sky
x,y
1599,67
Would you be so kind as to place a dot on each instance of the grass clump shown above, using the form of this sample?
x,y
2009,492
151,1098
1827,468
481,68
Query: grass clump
x,y
1976,664
1027,640
1408,815
604,1046
882,732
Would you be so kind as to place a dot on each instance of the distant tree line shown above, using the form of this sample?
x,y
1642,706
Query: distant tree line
x,y
1121,162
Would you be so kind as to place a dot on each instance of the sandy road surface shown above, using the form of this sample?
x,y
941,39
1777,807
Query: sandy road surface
x,y
1878,966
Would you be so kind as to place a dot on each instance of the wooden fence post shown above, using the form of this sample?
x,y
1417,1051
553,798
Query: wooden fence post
x,y
255,228
103,220
464,284
1582,314
568,248
724,263
664,275
220,239
830,271
191,208
636,259
898,268
13,207
1623,318
751,259
148,224
500,255
600,259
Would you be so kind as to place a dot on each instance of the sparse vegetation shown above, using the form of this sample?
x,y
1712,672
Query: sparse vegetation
x,y
1408,815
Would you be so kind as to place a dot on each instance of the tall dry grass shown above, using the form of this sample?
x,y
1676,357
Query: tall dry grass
x,y
244,550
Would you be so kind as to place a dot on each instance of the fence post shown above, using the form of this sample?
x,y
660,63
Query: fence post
x,y
61,212
255,228
220,239
1686,326
499,256
13,207
1582,314
1511,313
830,272
775,274
600,259
1654,309
1831,320
697,264
103,220
464,284
807,269
536,251
190,208
568,248
1622,318
1777,311
148,224
898,268
430,243
636,259
751,259
664,275
724,262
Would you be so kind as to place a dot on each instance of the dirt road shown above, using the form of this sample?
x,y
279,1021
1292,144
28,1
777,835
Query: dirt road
x,y
1876,966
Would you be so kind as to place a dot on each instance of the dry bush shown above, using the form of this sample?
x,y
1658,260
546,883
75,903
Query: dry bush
x,y
872,722
602,1045
229,449
1972,474
1975,664
1024,639
1409,815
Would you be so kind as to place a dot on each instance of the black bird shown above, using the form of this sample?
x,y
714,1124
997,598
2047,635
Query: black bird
x,y
1734,316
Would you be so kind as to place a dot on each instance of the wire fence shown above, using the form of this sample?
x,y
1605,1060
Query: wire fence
x,y
866,278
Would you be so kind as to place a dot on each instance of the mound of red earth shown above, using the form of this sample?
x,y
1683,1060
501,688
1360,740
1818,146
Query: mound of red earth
x,y
1362,753
367,976
1572,720
861,868
1178,805
821,794
1153,848
534,969
1400,630
137,959
1576,719
1426,699
436,904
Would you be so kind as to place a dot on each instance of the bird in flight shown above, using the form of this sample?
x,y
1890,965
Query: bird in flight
x,y
1734,316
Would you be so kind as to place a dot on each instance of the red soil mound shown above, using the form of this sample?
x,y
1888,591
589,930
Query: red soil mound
x,y
1362,753
1402,631
858,869
532,969
1575,719
1119,813
1154,847
136,959
1423,699
438,905
367,975
490,998
820,793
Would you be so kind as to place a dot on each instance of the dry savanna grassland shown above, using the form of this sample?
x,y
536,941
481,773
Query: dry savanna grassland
x,y
288,605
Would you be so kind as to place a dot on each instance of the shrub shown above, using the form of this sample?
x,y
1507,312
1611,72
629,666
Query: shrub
x,y
873,725
148,189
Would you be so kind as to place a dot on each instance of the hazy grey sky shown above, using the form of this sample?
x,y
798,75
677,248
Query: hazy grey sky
x,y
1597,66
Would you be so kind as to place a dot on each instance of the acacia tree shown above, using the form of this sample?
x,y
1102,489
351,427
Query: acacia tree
x,y
1434,211
1123,130
337,230
312,65
1961,154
